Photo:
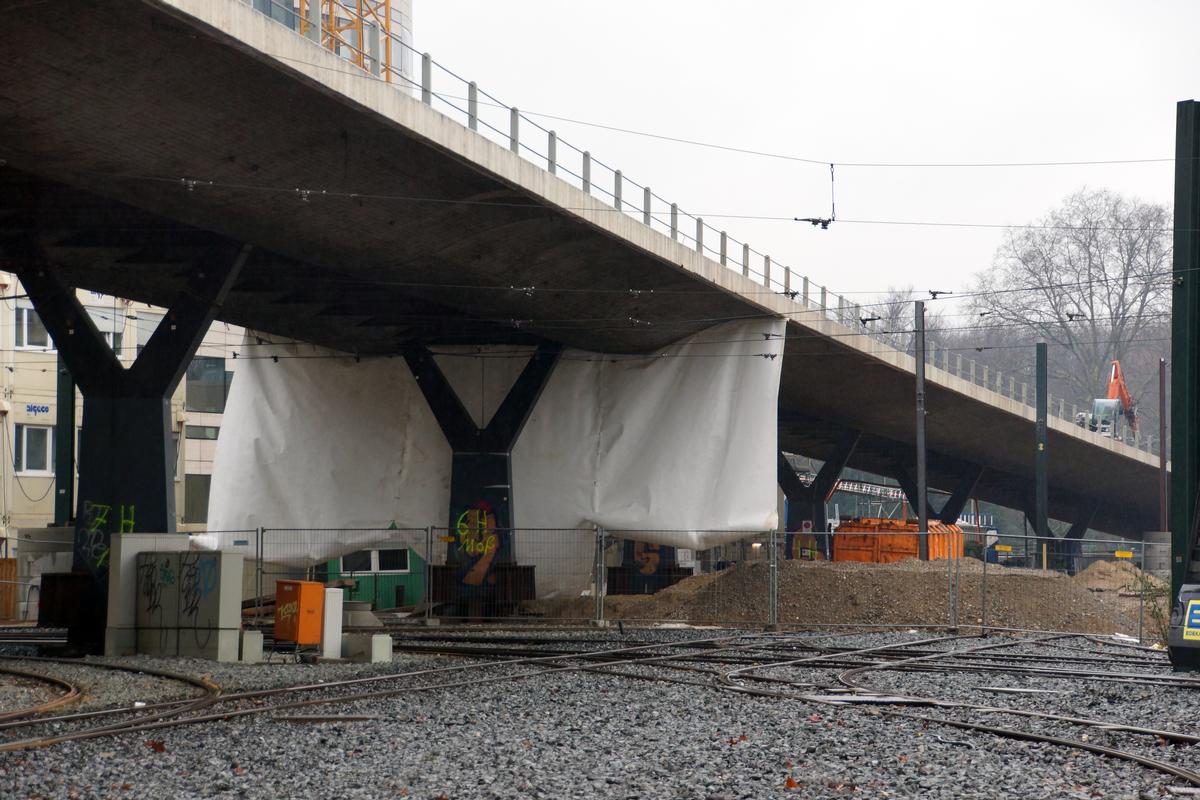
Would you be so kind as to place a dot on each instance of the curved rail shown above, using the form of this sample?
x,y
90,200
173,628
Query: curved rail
x,y
71,694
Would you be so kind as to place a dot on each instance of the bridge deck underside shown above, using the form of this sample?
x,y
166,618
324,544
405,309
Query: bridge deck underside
x,y
106,106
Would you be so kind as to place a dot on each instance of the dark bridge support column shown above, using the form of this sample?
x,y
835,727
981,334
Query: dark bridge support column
x,y
808,502
126,460
909,486
957,501
481,473
1083,519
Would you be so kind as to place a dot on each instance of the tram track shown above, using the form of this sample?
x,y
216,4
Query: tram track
x,y
745,663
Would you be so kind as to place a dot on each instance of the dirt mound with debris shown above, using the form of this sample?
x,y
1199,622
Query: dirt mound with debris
x,y
907,592
1116,576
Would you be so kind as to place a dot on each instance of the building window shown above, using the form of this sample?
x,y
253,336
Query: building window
x,y
115,340
207,384
358,561
31,333
33,449
394,560
146,324
195,497
386,560
202,431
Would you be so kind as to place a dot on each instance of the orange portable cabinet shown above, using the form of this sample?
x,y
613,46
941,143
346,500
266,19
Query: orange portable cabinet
x,y
299,607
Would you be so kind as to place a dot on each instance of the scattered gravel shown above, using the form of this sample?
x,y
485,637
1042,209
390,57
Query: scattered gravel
x,y
587,734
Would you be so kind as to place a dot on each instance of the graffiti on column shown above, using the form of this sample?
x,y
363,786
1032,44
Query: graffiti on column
x,y
93,534
479,543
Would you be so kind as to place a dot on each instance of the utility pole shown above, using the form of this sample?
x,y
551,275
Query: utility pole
x,y
1040,504
1162,444
922,511
64,447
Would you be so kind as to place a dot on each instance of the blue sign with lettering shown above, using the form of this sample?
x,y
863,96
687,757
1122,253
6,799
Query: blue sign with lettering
x,y
1191,621
31,408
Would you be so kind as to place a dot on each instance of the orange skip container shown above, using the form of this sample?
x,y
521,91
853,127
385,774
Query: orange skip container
x,y
882,541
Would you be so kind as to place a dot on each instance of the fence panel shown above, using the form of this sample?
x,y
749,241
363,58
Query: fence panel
x,y
1102,586
381,566
729,584
482,573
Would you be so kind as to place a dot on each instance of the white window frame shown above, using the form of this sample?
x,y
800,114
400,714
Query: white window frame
x,y
119,347
407,560
19,429
375,570
21,324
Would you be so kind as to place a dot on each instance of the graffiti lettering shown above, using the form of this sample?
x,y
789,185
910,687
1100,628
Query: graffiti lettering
x,y
127,519
197,580
289,609
151,587
477,538
93,534
153,579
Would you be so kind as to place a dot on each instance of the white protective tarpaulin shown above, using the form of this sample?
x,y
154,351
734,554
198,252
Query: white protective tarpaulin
x,y
677,449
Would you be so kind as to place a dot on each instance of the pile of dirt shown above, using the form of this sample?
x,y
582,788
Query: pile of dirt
x,y
907,592
1115,576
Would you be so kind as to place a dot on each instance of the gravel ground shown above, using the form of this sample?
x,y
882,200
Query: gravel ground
x,y
573,734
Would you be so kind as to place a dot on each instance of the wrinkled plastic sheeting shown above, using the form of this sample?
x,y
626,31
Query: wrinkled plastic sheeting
x,y
679,448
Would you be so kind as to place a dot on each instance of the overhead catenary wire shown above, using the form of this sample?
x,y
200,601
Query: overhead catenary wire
x,y
882,164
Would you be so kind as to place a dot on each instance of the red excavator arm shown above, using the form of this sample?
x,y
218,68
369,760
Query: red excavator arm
x,y
1118,390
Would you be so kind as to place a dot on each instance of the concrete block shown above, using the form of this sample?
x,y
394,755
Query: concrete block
x,y
124,593
158,601
331,624
120,641
218,644
362,619
158,642
252,647
366,647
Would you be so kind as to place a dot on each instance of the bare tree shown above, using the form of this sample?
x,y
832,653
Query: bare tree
x,y
895,321
1092,279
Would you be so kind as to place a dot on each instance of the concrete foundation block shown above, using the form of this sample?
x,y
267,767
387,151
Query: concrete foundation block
x,y
218,644
362,619
252,647
366,647
158,641
120,641
331,625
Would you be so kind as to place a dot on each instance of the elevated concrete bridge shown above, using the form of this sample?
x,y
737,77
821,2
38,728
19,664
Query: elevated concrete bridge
x,y
142,138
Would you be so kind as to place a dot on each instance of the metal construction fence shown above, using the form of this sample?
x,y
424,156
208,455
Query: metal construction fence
x,y
751,579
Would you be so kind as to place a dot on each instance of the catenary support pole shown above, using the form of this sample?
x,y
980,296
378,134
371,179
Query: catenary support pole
x,y
1162,445
1040,454
1185,342
922,504
599,578
773,579
64,447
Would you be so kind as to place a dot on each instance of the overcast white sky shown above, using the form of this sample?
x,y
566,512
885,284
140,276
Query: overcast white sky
x,y
934,81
